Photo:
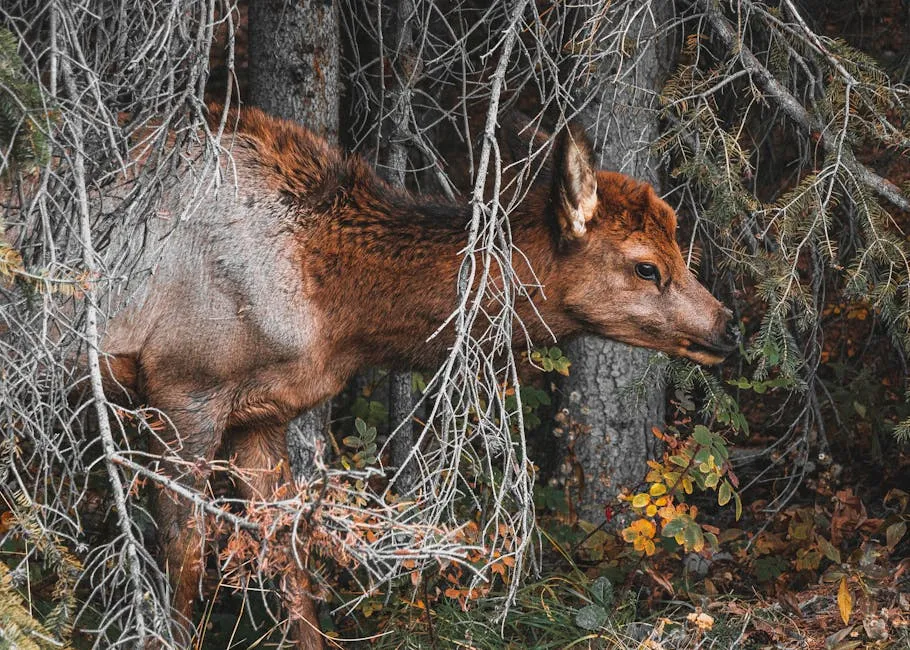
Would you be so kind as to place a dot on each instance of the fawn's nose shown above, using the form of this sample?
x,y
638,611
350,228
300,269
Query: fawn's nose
x,y
731,336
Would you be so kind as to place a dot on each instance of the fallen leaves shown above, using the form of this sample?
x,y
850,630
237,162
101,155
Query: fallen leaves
x,y
844,600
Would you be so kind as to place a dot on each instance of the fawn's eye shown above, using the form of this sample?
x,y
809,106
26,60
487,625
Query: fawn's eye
x,y
648,272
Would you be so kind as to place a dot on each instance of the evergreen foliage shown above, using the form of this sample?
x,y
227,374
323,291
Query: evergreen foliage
x,y
767,122
23,113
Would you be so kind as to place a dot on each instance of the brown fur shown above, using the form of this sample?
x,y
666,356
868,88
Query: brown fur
x,y
269,298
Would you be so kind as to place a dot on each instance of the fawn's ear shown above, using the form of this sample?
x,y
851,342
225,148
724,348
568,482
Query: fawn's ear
x,y
575,182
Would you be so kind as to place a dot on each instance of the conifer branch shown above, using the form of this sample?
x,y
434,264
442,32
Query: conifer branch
x,y
795,110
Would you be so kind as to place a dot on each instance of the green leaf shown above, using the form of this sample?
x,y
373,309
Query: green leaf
x,y
361,426
702,435
555,353
767,569
602,590
693,537
674,527
828,549
378,412
719,450
711,538
352,441
808,559
591,617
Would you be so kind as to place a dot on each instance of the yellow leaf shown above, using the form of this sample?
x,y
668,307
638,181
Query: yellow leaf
x,y
687,484
649,547
640,500
701,620
724,494
658,489
844,600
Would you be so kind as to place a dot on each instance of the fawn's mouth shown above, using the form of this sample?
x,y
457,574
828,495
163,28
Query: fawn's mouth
x,y
711,353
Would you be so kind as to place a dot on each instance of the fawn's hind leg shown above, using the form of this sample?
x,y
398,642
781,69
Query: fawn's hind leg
x,y
261,457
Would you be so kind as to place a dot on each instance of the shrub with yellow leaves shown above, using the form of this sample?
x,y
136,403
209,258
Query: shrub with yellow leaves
x,y
702,462
641,535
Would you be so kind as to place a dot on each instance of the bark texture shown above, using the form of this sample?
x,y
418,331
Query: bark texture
x,y
294,61
609,440
401,399
305,436
294,68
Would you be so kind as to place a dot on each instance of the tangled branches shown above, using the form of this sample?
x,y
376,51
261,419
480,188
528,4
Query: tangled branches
x,y
108,86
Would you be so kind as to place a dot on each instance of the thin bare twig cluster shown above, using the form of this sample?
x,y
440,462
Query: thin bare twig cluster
x,y
122,90
465,69
117,84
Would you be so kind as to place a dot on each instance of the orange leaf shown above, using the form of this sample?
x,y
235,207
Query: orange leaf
x,y
6,522
844,600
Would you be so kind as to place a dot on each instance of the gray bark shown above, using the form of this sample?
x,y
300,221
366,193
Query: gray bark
x,y
305,432
401,399
294,67
294,61
613,441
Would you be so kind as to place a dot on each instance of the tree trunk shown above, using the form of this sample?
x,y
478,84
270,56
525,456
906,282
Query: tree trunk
x,y
401,399
294,68
611,441
294,61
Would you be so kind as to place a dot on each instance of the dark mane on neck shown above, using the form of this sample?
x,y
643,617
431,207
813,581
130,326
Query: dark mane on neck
x,y
319,176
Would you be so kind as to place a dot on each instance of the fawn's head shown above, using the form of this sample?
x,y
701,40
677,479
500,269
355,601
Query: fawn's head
x,y
622,271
